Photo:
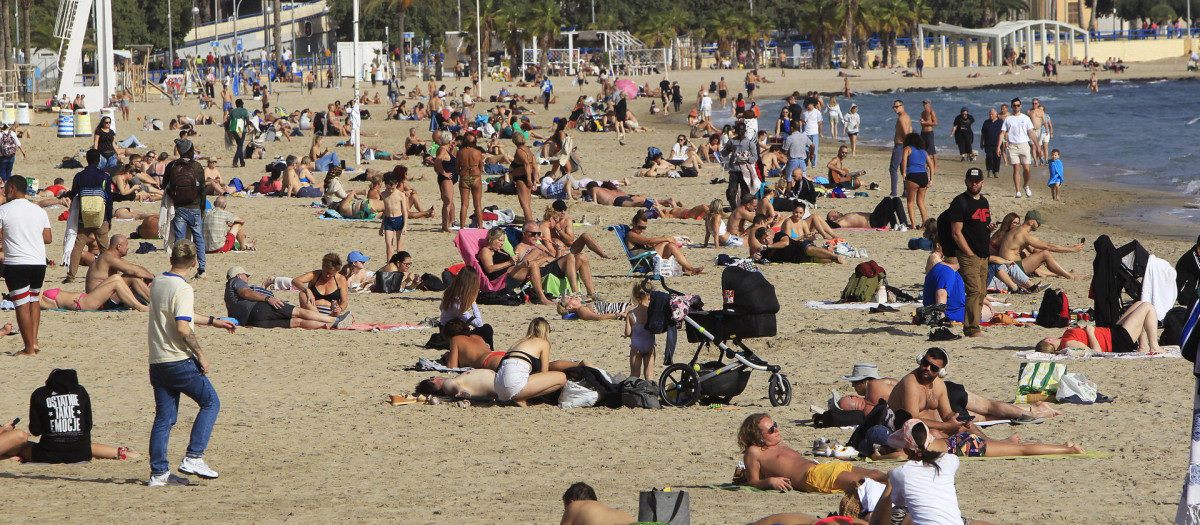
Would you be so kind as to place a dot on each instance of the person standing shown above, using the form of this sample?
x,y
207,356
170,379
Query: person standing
x,y
9,145
903,128
928,122
185,187
621,110
103,141
89,183
1018,131
798,148
26,232
179,366
963,136
989,142
676,95
964,233
852,121
239,121
812,128
547,91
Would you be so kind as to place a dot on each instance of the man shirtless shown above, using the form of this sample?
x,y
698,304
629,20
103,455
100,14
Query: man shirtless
x,y
1022,240
903,128
1037,115
414,145
477,382
923,394
607,194
112,261
581,507
873,388
468,349
928,122
226,100
839,174
889,213
770,464
743,215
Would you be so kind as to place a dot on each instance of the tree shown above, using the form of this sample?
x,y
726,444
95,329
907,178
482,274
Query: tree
x,y
822,20
661,28
919,13
724,27
27,40
401,9
6,33
510,22
543,19
277,32
488,16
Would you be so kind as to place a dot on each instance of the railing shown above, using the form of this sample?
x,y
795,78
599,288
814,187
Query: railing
x,y
266,66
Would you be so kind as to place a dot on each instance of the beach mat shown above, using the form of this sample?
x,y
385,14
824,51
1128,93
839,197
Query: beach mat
x,y
428,365
1034,355
384,327
834,305
1088,455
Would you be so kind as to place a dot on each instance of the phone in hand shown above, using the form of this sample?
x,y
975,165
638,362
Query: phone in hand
x,y
1082,240
15,421
965,419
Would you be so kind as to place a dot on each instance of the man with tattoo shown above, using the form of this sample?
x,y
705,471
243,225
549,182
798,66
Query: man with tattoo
x,y
178,366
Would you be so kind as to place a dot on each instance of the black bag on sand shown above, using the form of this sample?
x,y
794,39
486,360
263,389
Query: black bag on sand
x,y
1054,311
388,282
1173,326
639,393
500,298
836,417
657,506
432,283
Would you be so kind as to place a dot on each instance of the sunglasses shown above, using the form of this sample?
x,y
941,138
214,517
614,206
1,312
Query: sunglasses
x,y
898,106
932,367
533,232
640,227
774,428
1016,105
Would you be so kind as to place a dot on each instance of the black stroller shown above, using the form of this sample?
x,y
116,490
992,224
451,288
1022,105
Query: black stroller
x,y
749,311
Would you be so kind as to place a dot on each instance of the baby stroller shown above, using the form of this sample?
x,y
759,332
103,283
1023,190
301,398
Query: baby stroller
x,y
749,311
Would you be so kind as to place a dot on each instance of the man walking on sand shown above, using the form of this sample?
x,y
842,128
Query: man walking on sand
x,y
178,366
1018,131
966,236
903,128
25,229
928,122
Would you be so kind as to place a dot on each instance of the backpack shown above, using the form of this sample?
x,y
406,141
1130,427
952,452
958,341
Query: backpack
x,y
712,87
861,286
1055,311
1173,324
184,184
92,205
639,393
8,144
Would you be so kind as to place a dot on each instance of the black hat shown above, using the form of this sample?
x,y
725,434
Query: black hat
x,y
559,205
975,173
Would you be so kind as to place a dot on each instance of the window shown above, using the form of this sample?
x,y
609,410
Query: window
x,y
1073,12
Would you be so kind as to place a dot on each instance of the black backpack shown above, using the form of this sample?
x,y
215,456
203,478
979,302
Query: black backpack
x,y
639,393
184,186
1055,311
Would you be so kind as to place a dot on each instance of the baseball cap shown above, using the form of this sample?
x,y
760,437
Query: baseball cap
x,y
356,256
964,108
234,271
975,173
1034,215
927,101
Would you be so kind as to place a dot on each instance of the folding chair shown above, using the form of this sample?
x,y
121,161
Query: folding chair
x,y
641,263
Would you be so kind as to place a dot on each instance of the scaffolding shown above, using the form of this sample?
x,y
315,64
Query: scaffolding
x,y
621,50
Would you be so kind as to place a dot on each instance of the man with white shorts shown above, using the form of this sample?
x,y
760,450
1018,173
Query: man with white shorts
x,y
705,107
1018,130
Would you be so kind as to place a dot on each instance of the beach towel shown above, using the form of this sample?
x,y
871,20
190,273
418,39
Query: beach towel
x,y
426,365
1086,455
1079,353
334,215
1158,286
384,327
834,305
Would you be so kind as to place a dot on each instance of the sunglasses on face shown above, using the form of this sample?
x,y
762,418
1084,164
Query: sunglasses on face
x,y
898,106
639,227
932,367
774,428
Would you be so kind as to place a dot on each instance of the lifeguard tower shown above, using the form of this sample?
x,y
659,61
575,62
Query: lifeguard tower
x,y
73,16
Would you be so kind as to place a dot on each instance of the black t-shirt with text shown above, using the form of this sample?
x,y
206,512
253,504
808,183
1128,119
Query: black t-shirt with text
x,y
974,214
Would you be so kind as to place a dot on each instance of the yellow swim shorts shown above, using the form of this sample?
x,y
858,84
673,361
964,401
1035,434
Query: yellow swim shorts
x,y
823,478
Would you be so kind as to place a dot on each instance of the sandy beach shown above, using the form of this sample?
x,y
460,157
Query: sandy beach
x,y
304,434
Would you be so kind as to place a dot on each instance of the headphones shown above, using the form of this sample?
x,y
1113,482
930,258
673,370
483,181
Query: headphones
x,y
941,373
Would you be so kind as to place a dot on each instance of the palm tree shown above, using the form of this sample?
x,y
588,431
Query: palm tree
x,y
401,9
662,28
488,19
277,33
6,33
509,24
27,40
544,19
888,18
821,19
919,13
724,27
848,20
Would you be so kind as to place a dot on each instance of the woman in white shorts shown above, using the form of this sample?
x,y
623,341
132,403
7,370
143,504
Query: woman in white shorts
x,y
525,370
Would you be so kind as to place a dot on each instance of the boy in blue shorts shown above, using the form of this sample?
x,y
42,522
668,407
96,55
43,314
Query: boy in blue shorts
x,y
1056,174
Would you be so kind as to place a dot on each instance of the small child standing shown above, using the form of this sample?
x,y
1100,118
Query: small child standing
x,y
1056,174
395,214
641,341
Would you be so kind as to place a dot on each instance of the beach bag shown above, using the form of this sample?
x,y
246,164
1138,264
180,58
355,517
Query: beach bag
x,y
432,283
1173,326
1075,388
932,315
668,267
575,395
309,192
664,506
1055,311
8,144
639,393
688,171
500,298
91,207
388,282
185,186
860,288
836,417
1039,377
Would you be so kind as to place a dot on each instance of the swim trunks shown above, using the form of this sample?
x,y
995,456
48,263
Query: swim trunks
x,y
620,201
393,224
965,444
927,137
226,106
823,477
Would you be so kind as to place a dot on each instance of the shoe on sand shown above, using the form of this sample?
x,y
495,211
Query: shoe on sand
x,y
197,467
167,478
344,320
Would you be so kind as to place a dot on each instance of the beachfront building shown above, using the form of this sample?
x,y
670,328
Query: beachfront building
x,y
955,46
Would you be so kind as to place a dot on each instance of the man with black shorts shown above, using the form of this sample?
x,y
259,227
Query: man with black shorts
x,y
722,92
963,233
258,307
26,232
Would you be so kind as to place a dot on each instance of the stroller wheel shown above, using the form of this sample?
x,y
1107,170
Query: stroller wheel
x,y
779,390
679,385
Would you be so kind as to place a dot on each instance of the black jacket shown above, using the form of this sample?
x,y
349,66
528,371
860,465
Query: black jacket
x,y
1187,276
61,413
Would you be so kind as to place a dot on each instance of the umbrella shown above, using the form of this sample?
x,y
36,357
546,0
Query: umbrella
x,y
627,86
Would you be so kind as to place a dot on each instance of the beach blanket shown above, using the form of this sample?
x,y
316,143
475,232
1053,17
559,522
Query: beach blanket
x,y
1087,455
426,365
834,305
384,327
866,229
333,215
1033,355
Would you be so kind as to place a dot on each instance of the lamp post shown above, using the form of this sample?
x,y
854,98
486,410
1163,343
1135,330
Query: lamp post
x,y
266,33
195,15
170,40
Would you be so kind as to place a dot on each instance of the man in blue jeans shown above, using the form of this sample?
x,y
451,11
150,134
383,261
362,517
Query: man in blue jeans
x,y
189,200
178,366
9,146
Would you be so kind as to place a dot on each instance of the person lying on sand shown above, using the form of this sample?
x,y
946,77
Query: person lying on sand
x,y
593,311
1136,331
607,194
581,507
770,464
873,388
966,445
111,294
478,382
258,307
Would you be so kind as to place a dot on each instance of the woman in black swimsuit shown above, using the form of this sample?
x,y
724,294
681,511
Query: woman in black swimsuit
x,y
324,290
525,174
447,175
496,262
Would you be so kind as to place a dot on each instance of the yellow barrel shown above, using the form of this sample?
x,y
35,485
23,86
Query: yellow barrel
x,y
10,113
83,123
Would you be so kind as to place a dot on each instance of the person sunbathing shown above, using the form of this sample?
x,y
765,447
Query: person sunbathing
x,y
582,507
784,248
477,382
666,247
965,444
1021,238
324,290
714,227
871,389
466,348
607,194
889,213
111,294
770,464
553,260
496,262
593,311
558,230
1136,331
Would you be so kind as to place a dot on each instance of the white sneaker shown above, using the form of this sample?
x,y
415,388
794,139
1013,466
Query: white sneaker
x,y
167,478
197,467
1028,192
1018,194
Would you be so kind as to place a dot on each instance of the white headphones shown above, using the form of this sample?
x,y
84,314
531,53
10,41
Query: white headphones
x,y
941,373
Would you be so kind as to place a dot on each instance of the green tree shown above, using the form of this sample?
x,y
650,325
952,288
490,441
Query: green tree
x,y
543,20
822,20
400,8
510,21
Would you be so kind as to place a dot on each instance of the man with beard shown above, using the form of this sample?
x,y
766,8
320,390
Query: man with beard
x,y
923,394
964,234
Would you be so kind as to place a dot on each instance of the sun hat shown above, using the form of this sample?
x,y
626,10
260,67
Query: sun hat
x,y
234,271
863,371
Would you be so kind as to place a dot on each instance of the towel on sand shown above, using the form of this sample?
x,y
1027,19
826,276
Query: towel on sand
x,y
426,365
833,305
1033,355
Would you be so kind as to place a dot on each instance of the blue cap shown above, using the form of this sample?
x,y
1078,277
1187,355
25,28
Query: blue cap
x,y
357,256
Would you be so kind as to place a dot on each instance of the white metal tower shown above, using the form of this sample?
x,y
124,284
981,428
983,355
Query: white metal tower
x,y
71,26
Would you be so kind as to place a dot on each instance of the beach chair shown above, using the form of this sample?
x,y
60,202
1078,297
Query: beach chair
x,y
469,241
642,263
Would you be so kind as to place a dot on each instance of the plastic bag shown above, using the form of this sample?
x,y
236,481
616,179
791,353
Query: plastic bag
x,y
575,395
1075,388
1040,378
668,267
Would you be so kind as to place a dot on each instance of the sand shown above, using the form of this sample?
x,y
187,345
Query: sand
x,y
304,435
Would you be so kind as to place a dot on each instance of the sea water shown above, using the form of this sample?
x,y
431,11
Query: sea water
x,y
1134,134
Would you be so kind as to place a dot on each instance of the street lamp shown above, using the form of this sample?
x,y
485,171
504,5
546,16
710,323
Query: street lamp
x,y
196,37
267,34
170,40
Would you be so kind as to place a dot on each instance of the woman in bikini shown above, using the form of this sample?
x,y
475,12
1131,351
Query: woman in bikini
x,y
496,262
111,294
350,204
447,175
665,246
524,370
469,161
715,226
324,290
525,174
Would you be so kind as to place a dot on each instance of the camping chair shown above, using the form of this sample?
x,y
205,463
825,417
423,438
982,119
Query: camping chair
x,y
641,263
469,241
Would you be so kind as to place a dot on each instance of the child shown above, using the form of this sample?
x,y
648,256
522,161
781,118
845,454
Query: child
x,y
395,214
641,342
1056,174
